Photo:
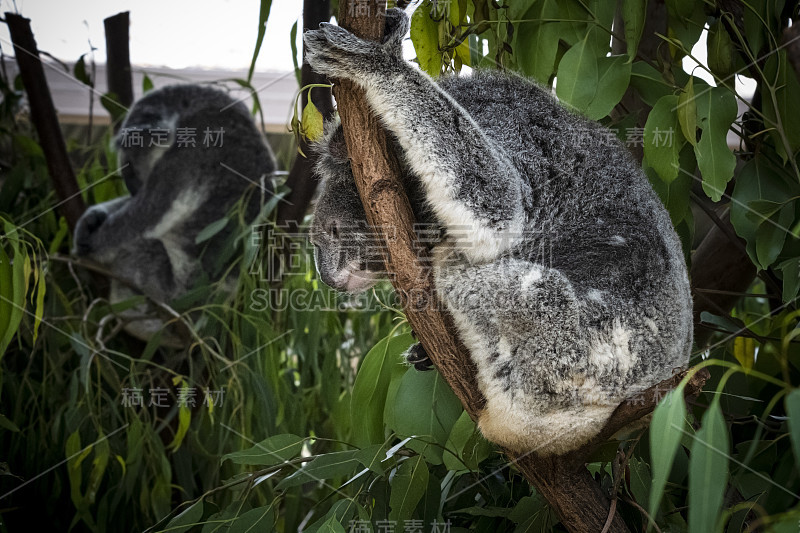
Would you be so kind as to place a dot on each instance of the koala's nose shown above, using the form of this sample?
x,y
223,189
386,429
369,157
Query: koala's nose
x,y
87,226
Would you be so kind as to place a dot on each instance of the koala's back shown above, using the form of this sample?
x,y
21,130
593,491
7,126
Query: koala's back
x,y
620,299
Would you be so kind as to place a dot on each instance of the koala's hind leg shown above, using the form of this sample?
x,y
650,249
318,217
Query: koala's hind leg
x,y
470,183
520,322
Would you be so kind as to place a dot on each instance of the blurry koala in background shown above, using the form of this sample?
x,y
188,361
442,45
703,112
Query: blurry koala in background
x,y
187,154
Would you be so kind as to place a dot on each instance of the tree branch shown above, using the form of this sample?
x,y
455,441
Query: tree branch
x,y
563,480
301,180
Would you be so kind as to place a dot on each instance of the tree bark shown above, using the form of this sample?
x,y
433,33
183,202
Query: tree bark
x,y
301,181
43,116
118,62
564,481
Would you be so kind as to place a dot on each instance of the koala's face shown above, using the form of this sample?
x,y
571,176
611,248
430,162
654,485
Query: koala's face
x,y
346,249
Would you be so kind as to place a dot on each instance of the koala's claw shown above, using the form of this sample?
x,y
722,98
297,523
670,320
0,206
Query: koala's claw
x,y
417,356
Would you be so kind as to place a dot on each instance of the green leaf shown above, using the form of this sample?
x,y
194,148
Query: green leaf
x,y
665,436
15,286
687,112
780,112
468,445
716,111
5,423
720,51
271,451
147,83
327,466
6,301
793,412
760,188
424,406
184,420
790,275
254,520
39,311
633,15
188,517
663,138
263,15
210,230
408,487
614,74
293,44
80,72
341,512
331,525
685,24
578,76
674,195
708,472
371,385
641,480
649,83
373,458
536,41
425,36
771,235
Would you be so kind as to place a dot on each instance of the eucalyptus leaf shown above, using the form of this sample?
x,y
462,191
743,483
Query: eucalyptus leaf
x,y
716,111
708,472
578,76
371,386
663,138
408,486
271,451
665,436
425,37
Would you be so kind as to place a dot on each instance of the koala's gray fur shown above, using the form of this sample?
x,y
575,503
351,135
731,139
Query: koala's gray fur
x,y
559,264
176,190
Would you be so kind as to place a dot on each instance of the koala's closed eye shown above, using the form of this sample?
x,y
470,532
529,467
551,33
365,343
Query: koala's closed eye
x,y
535,204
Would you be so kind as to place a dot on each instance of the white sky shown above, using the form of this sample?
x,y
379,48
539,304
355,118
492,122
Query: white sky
x,y
164,33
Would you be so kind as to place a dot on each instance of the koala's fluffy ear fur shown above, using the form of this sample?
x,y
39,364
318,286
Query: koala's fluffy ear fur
x,y
188,154
560,266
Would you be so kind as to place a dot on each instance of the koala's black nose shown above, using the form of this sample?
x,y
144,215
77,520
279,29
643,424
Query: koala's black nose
x,y
87,226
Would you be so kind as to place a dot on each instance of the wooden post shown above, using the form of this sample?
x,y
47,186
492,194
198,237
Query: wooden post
x,y
43,116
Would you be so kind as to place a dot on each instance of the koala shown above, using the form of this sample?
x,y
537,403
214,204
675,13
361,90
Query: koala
x,y
187,154
557,261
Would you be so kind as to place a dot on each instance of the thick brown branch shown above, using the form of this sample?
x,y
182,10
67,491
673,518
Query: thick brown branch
x,y
389,211
43,116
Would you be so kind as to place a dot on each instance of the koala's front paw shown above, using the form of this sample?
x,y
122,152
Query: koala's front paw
x,y
417,356
337,53
89,222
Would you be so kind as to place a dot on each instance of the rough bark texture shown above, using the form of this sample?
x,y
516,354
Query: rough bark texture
x,y
118,62
301,181
43,116
564,481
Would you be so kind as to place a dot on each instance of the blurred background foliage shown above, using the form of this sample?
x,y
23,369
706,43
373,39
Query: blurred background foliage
x,y
320,426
